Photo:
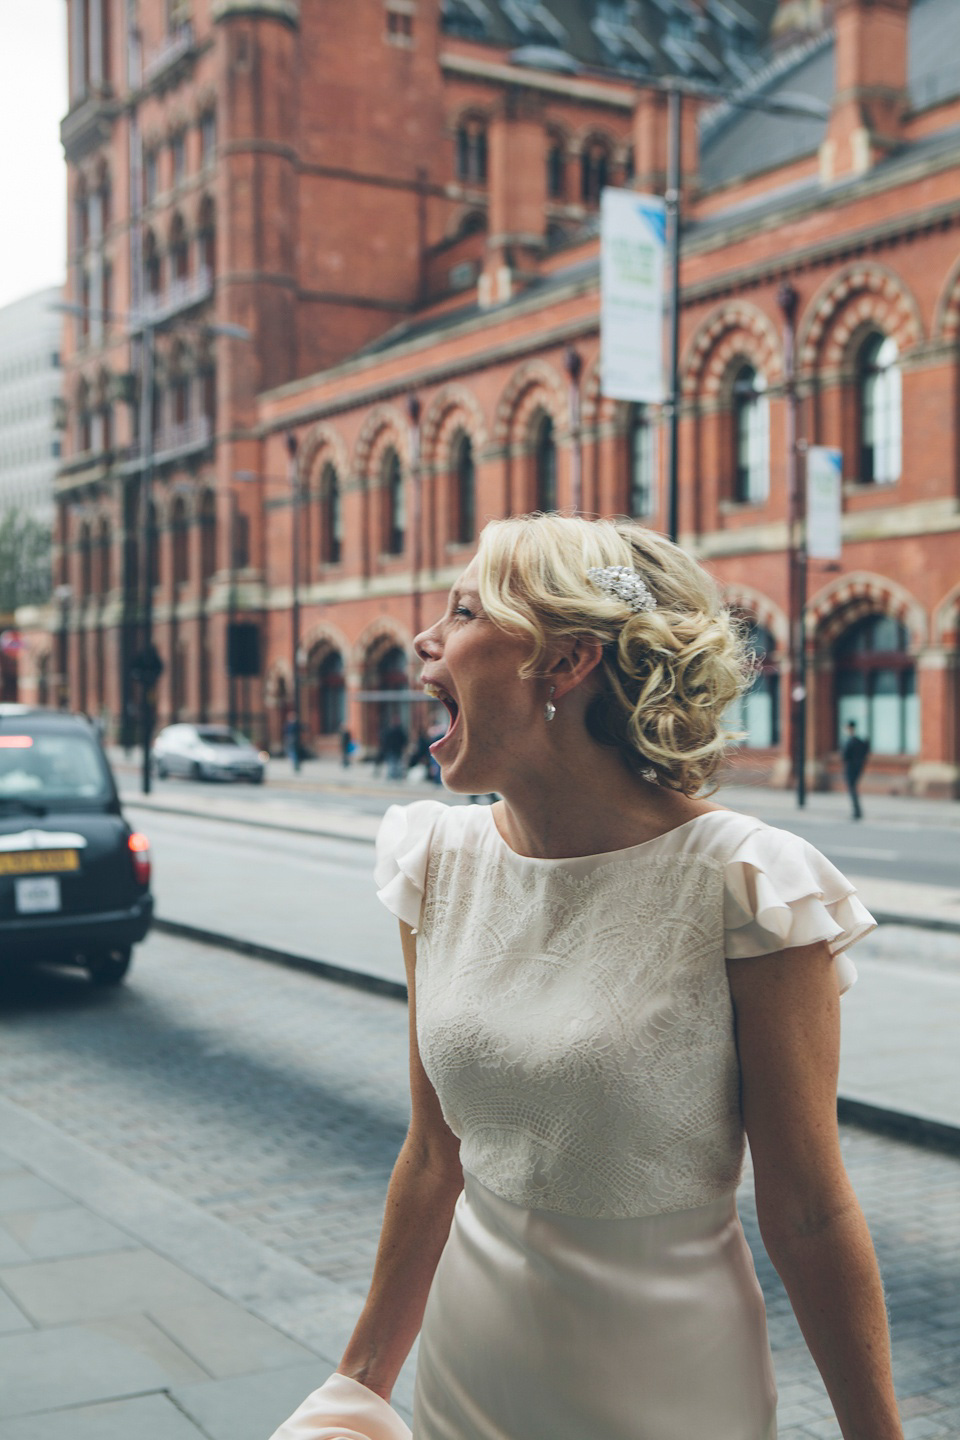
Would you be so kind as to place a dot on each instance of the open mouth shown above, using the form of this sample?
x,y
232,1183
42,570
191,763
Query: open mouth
x,y
451,707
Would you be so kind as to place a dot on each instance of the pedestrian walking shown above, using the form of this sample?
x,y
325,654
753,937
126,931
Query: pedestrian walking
x,y
394,750
613,982
291,737
347,747
856,750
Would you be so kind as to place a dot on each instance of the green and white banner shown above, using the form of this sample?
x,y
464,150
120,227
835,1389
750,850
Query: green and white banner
x,y
633,231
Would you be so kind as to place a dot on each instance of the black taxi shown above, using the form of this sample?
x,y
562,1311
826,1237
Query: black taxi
x,y
74,876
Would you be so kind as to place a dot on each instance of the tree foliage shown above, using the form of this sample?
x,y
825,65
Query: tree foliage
x,y
25,573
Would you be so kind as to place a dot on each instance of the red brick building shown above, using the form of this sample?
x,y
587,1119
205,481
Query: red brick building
x,y
396,199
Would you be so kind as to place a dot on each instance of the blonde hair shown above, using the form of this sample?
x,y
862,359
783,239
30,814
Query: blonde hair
x,y
668,675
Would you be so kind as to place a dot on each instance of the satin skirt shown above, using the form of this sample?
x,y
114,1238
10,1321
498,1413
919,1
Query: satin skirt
x,y
551,1327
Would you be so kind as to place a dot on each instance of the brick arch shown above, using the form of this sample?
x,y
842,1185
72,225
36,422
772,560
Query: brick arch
x,y
748,601
595,407
946,323
382,418
452,404
851,597
945,628
321,443
471,111
325,637
858,294
587,135
734,328
536,376
379,636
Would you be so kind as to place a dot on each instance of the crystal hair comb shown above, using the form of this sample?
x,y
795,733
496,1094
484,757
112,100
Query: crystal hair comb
x,y
624,584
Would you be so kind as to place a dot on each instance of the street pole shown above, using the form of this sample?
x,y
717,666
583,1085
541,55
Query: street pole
x,y
672,201
788,299
148,681
63,595
573,364
232,613
295,598
413,415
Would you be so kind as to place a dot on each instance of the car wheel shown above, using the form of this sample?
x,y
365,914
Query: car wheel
x,y
257,779
196,771
109,967
161,769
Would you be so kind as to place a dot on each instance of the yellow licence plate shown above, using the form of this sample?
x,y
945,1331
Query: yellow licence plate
x,y
38,862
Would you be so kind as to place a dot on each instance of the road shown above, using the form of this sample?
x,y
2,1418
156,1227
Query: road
x,y
919,849
276,1102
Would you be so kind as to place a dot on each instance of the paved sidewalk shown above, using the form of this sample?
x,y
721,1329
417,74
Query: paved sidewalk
x,y
126,1311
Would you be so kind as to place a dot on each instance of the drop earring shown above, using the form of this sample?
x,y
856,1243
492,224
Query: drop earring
x,y
549,710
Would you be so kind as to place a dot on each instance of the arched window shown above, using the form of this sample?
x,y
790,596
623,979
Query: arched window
x,y
84,418
556,168
81,214
180,535
331,519
396,508
152,264
179,249
153,545
751,432
86,562
207,237
545,456
464,497
757,711
594,171
208,534
881,413
641,458
105,557
876,686
333,694
472,151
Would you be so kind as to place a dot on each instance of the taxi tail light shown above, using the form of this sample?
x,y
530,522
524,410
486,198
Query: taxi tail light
x,y
139,847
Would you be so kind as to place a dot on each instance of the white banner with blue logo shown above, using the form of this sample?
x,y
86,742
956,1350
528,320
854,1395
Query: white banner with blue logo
x,y
824,502
633,233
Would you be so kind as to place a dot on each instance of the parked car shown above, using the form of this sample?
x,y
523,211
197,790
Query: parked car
x,y
74,876
208,752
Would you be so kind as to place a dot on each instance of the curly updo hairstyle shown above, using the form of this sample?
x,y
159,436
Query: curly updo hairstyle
x,y
668,675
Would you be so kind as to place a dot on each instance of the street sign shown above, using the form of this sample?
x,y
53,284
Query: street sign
x,y
824,502
633,231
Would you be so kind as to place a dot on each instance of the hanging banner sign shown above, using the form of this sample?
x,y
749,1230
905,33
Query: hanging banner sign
x,y
633,233
824,491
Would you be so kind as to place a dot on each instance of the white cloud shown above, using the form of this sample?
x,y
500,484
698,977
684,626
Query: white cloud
x,y
33,177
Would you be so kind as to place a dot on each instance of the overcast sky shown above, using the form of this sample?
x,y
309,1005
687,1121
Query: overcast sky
x,y
33,100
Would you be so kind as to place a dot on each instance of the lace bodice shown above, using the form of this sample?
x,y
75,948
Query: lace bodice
x,y
574,1016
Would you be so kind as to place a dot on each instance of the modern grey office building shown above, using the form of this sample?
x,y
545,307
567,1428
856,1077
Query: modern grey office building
x,y
30,388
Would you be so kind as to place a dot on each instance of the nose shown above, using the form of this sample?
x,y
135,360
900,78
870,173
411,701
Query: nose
x,y
426,644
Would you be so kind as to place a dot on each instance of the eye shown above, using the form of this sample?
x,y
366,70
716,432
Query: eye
x,y
463,612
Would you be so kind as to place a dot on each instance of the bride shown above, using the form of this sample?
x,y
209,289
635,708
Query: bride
x,y
612,983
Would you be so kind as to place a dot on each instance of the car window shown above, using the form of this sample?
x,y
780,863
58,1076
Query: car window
x,y
51,767
218,737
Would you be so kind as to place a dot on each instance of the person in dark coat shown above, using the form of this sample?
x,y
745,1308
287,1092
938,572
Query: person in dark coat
x,y
855,752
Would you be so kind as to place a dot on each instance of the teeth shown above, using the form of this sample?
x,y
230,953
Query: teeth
x,y
434,690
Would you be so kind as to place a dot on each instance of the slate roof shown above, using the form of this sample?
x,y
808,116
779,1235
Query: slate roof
x,y
735,143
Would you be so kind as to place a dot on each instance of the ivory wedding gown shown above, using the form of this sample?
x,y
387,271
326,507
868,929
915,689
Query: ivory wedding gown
x,y
575,1019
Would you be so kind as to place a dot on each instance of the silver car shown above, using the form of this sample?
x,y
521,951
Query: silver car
x,y
208,752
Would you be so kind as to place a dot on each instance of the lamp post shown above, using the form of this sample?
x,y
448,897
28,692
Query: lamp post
x,y
413,415
573,364
788,299
295,591
672,202
63,594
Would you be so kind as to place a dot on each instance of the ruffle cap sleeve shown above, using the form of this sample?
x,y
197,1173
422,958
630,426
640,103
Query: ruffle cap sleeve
x,y
343,1409
780,891
403,850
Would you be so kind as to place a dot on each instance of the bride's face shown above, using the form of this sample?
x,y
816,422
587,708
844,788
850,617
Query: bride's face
x,y
496,717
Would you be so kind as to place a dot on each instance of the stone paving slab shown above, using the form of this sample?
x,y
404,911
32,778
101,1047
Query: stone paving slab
x,y
46,1370
250,1408
21,1191
12,1317
59,1292
54,1233
226,1340
146,1417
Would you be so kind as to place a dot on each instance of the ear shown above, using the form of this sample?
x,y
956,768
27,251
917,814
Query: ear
x,y
574,662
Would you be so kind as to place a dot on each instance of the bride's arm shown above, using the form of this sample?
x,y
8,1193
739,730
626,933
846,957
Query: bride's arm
x,y
423,1190
788,1038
